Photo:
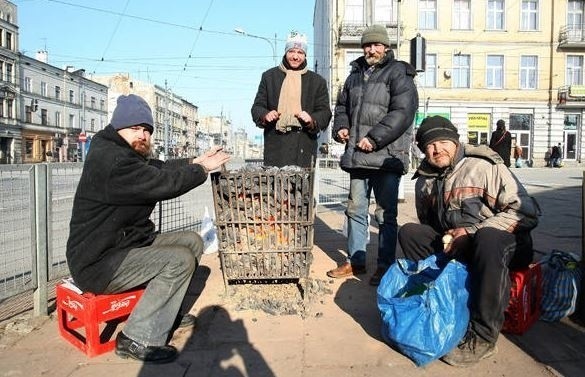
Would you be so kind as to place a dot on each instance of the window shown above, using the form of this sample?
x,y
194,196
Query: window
x,y
494,72
1,108
574,70
495,15
57,119
28,148
92,124
383,12
71,121
529,17
428,78
528,71
9,77
427,16
354,11
575,18
8,41
57,92
27,114
102,104
461,15
28,84
43,88
44,117
461,71
71,96
92,101
520,122
349,57
10,108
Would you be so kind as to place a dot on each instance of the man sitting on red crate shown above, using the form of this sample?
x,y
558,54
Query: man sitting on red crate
x,y
467,193
113,245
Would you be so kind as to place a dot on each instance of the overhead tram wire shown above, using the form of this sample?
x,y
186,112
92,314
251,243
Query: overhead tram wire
x,y
194,42
114,32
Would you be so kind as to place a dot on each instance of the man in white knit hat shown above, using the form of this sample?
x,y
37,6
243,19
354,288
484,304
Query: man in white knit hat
x,y
292,106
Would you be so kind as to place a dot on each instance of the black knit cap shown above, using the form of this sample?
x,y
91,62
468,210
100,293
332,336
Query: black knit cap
x,y
435,128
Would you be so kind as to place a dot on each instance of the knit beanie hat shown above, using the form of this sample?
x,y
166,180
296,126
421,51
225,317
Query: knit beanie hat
x,y
435,128
375,34
296,40
132,110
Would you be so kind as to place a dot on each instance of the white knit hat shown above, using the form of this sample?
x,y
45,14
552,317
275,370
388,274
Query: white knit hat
x,y
296,40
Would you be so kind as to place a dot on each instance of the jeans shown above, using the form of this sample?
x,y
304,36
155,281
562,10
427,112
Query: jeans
x,y
167,267
490,256
385,188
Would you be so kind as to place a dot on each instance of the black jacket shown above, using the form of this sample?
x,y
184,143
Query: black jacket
x,y
501,142
381,109
116,194
292,148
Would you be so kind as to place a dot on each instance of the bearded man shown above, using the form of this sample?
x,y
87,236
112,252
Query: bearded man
x,y
468,195
373,117
113,245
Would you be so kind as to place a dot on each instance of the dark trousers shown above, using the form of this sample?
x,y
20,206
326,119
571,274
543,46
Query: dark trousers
x,y
490,256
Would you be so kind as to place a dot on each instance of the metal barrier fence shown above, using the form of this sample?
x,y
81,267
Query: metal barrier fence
x,y
35,210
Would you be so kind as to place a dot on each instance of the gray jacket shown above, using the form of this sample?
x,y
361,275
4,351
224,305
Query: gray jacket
x,y
381,109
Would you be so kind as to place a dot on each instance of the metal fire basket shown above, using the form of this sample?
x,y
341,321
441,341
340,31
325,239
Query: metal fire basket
x,y
264,218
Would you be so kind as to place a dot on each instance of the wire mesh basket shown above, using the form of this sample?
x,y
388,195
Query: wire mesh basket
x,y
264,218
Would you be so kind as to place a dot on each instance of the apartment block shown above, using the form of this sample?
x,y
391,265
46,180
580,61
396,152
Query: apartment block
x,y
517,60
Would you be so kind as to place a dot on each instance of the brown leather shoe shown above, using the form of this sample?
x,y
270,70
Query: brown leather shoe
x,y
346,270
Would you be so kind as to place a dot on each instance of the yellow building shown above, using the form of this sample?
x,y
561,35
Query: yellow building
x,y
484,60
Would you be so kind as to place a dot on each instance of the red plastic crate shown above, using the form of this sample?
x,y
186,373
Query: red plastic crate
x,y
89,321
525,297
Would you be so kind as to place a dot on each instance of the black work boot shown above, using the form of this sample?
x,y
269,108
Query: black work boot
x,y
470,350
126,347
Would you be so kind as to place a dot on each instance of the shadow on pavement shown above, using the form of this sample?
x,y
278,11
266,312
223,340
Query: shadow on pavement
x,y
560,345
354,296
216,346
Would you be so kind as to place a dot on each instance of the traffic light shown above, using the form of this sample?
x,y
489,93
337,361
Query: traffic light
x,y
418,47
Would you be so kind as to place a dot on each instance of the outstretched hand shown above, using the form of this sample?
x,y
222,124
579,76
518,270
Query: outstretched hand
x,y
212,159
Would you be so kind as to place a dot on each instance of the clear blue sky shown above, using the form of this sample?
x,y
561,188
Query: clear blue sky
x,y
189,43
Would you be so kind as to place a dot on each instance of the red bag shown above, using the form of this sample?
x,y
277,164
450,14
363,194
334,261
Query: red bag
x,y
525,297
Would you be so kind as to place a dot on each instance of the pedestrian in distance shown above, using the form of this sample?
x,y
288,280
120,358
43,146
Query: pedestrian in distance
x,y
556,156
517,155
113,245
501,142
466,194
374,114
292,107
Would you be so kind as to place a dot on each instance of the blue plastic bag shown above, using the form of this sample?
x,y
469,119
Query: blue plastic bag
x,y
561,281
424,307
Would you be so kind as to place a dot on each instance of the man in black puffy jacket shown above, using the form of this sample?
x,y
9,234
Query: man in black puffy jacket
x,y
112,244
373,117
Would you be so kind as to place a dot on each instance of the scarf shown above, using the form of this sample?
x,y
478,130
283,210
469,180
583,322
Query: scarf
x,y
289,101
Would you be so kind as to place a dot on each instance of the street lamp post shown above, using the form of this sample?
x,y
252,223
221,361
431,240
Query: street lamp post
x,y
270,42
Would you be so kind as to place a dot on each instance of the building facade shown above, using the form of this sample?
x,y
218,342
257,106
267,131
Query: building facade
x,y
175,119
478,61
59,111
10,135
46,113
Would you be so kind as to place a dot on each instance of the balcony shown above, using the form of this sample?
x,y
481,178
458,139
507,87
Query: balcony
x,y
572,37
350,33
571,97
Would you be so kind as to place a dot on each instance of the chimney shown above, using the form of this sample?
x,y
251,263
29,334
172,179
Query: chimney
x,y
42,56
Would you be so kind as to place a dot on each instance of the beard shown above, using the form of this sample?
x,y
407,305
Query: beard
x,y
142,147
374,58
